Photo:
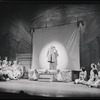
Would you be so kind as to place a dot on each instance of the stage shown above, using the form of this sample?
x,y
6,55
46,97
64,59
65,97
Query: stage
x,y
48,89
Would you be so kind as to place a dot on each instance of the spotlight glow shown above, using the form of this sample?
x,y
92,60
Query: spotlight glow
x,y
62,59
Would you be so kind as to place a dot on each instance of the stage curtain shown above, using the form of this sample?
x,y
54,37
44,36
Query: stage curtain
x,y
72,44
65,37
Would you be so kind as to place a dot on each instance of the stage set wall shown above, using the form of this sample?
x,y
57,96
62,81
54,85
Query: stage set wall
x,y
89,53
66,40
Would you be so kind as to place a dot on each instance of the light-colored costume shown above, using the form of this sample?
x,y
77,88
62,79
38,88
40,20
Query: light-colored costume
x,y
96,83
3,71
82,77
33,74
20,70
91,79
16,71
52,55
59,76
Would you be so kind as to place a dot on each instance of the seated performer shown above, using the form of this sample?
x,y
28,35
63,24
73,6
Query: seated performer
x,y
13,72
4,65
82,76
3,77
33,75
20,69
92,74
52,55
3,74
96,82
59,75
9,71
16,71
9,63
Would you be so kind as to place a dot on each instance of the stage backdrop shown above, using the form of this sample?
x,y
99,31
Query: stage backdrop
x,y
66,40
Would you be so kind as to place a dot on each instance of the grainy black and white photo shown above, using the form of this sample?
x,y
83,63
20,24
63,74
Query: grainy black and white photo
x,y
49,50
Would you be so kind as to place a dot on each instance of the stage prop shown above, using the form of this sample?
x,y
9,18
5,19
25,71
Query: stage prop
x,y
25,60
46,77
51,75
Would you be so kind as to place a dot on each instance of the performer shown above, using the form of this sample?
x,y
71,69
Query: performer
x,y
98,66
59,76
33,75
92,75
20,69
3,68
52,55
82,76
96,82
16,71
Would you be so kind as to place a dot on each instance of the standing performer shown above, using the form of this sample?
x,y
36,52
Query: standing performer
x,y
52,55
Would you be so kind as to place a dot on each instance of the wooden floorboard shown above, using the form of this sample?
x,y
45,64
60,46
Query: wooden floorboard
x,y
48,89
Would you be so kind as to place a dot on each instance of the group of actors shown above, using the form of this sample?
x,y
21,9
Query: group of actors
x,y
10,70
94,77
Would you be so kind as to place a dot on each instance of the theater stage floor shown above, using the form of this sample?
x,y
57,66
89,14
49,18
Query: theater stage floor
x,y
49,89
